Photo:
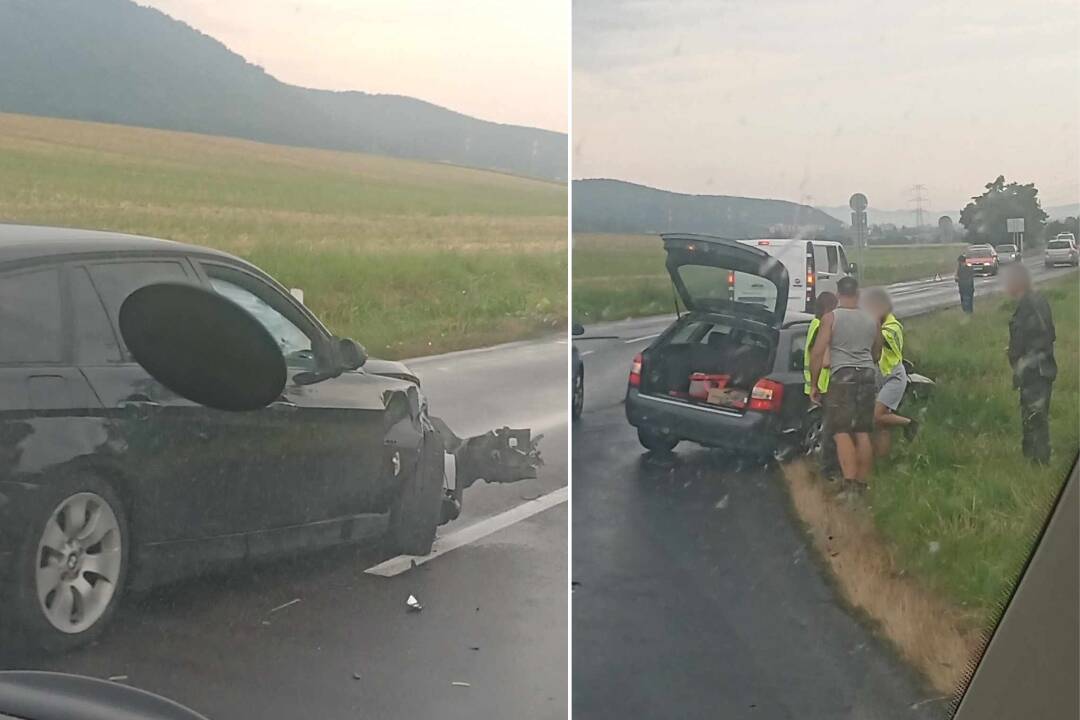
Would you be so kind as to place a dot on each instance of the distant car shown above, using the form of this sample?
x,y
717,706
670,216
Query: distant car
x,y
1008,254
982,259
108,479
1062,250
729,372
577,373
813,266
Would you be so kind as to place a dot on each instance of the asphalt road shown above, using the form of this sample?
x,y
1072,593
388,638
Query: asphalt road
x,y
494,615
696,594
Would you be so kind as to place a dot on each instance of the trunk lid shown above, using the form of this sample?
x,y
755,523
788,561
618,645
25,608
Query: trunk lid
x,y
714,275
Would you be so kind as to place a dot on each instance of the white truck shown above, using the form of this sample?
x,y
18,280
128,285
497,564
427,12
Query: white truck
x,y
814,266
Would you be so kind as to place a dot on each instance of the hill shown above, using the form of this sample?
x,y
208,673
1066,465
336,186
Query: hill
x,y
614,206
117,62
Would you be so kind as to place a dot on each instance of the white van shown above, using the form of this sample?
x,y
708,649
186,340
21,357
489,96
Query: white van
x,y
814,266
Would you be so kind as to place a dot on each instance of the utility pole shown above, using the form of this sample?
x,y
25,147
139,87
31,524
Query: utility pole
x,y
919,198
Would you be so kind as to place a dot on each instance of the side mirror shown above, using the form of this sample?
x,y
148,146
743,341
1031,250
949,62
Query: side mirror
x,y
203,346
577,329
352,354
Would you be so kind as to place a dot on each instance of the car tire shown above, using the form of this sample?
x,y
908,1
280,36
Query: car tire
x,y
71,568
417,510
655,442
577,399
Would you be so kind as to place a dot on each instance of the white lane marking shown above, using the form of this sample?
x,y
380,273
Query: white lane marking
x,y
643,337
472,533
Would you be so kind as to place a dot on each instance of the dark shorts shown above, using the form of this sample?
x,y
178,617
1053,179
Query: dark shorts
x,y
849,404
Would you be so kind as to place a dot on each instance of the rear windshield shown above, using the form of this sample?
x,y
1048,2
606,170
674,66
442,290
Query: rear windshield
x,y
715,288
1058,245
978,252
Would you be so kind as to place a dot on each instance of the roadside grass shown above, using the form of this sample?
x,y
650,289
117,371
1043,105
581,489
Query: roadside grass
x,y
621,276
407,257
960,507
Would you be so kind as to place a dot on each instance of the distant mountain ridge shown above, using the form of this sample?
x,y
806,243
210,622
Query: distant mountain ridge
x,y
615,206
907,217
118,62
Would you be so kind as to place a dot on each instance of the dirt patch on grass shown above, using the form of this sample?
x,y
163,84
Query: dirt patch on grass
x,y
934,636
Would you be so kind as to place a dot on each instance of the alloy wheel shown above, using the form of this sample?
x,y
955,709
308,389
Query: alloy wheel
x,y
78,562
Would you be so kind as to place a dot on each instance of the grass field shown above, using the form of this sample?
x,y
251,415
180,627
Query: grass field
x,y
960,506
407,257
620,276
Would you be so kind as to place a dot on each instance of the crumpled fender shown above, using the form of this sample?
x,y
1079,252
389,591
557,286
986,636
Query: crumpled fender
x,y
504,455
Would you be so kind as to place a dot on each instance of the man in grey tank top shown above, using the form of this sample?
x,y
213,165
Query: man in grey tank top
x,y
849,343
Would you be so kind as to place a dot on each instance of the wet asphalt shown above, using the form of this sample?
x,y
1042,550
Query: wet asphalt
x,y
696,592
490,642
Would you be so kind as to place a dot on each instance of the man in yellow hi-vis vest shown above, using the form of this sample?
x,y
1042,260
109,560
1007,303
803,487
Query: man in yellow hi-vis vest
x,y
894,378
826,303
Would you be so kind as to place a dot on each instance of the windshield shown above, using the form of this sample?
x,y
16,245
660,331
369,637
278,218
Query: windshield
x,y
979,252
1059,245
1006,248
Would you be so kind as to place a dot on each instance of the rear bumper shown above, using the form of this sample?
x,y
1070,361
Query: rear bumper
x,y
749,432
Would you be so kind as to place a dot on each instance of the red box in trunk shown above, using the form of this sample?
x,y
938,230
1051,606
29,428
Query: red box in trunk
x,y
701,383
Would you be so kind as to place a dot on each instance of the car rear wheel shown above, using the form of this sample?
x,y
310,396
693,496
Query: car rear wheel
x,y
655,442
813,443
72,566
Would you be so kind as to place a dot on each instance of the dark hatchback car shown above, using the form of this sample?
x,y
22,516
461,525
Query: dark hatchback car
x,y
729,372
108,479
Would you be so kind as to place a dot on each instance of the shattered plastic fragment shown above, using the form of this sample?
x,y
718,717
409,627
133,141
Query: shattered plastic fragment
x,y
458,683
721,503
413,604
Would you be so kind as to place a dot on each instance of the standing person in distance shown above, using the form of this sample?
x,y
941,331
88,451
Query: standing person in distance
x,y
965,283
1031,355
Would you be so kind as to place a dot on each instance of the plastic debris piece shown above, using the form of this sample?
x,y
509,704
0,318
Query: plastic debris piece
x,y
285,605
117,678
722,503
458,683
413,604
356,676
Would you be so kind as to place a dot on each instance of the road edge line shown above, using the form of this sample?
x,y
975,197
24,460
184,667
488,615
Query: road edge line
x,y
472,533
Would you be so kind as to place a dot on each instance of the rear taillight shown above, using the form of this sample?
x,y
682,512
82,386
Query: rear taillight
x,y
635,371
731,284
766,396
811,290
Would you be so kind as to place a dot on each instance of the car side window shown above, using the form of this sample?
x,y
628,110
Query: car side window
x,y
798,348
31,318
821,259
95,341
843,259
294,343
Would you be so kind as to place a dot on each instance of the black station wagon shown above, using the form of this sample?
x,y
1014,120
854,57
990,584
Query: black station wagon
x,y
108,479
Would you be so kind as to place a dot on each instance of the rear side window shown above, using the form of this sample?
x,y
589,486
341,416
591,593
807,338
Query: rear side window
x,y
821,259
115,281
31,320
95,341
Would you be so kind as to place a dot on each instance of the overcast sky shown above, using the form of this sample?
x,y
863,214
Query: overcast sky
x,y
493,59
788,99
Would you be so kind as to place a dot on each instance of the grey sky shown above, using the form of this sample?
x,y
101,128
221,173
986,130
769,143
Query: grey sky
x,y
497,60
788,99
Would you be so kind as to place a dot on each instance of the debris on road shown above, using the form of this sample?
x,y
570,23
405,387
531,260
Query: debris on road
x,y
284,605
458,683
356,676
118,678
721,504
413,604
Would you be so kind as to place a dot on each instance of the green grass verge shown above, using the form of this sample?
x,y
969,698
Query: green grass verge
x,y
960,506
407,257
621,276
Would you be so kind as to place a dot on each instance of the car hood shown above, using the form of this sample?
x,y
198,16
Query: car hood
x,y
390,368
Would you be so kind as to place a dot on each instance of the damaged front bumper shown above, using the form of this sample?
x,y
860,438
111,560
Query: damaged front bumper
x,y
504,455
